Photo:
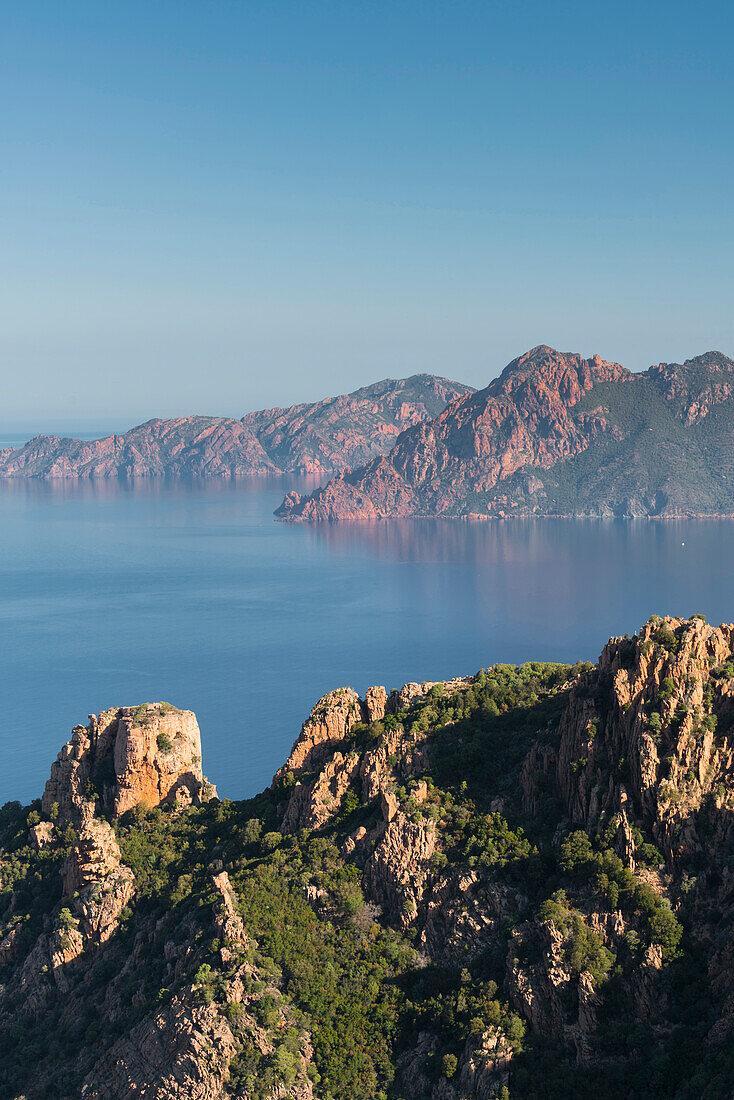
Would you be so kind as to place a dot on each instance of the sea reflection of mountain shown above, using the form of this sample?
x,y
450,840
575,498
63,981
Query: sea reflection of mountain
x,y
490,541
102,488
555,573
418,540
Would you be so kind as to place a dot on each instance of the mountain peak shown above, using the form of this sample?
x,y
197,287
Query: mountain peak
x,y
565,371
534,357
595,425
714,360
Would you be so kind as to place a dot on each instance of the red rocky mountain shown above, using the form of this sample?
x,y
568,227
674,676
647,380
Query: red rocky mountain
x,y
325,437
556,434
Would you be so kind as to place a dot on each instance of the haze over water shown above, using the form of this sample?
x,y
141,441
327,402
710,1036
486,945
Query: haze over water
x,y
112,595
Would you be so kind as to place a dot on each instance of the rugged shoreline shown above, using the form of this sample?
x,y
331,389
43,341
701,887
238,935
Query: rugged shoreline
x,y
474,517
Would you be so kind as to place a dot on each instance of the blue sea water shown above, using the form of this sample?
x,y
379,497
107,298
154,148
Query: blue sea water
x,y
113,594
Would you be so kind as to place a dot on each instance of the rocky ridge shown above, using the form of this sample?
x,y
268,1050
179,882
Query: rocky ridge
x,y
187,1047
555,434
660,704
516,883
315,439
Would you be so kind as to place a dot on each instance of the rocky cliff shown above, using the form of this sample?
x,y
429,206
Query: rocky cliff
x,y
556,434
324,437
124,757
517,883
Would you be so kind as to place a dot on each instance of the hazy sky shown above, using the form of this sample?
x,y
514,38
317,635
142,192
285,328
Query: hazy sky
x,y
215,206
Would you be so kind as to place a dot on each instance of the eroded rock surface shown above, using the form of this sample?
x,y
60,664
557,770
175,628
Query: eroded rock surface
x,y
126,756
331,720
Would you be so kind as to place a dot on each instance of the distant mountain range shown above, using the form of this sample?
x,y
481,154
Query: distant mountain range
x,y
553,435
556,435
322,438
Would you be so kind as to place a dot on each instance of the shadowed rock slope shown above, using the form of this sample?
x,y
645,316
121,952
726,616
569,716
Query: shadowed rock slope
x,y
515,884
556,434
319,438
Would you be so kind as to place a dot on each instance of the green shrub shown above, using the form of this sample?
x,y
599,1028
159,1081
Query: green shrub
x,y
271,841
349,897
577,855
665,929
556,909
649,854
164,742
655,723
350,803
665,637
66,921
667,688
252,830
587,953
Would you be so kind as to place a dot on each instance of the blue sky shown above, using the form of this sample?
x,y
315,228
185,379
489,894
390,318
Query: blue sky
x,y
216,206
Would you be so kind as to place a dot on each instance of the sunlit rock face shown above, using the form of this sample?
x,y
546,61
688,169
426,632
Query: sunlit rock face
x,y
126,756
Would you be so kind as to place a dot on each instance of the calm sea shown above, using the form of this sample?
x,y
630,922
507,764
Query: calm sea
x,y
112,595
